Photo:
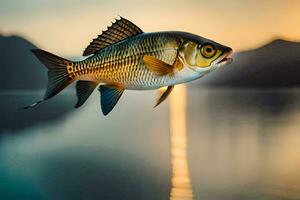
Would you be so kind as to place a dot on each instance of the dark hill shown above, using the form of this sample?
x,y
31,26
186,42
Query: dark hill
x,y
22,75
19,68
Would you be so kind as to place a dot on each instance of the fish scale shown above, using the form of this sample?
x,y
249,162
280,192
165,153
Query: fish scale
x,y
122,63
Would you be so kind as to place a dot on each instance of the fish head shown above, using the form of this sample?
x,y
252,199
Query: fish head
x,y
203,55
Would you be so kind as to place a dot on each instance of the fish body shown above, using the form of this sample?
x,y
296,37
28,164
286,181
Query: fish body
x,y
122,63
126,58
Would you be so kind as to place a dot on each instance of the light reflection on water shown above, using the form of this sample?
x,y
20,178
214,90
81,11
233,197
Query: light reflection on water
x,y
228,144
181,183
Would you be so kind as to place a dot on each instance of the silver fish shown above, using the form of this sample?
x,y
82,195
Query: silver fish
x,y
125,58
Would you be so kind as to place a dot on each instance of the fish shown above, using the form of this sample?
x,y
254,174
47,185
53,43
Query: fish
x,y
124,57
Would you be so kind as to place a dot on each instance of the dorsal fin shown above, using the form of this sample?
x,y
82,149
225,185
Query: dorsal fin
x,y
121,29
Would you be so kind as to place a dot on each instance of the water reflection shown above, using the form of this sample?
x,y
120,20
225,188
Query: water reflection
x,y
181,183
241,145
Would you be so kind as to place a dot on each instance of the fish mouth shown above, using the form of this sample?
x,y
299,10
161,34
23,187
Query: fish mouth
x,y
227,60
224,59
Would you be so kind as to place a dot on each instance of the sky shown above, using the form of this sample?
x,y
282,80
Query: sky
x,y
67,27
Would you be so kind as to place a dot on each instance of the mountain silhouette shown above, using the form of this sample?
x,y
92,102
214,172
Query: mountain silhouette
x,y
19,68
23,80
275,65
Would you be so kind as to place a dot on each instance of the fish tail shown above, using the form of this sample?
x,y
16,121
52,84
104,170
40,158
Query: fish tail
x,y
59,75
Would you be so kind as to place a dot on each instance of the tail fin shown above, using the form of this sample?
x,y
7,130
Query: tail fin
x,y
58,77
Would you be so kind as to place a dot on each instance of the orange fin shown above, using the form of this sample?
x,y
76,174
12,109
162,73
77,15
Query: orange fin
x,y
163,94
157,66
178,64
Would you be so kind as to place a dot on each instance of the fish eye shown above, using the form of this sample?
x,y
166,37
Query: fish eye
x,y
208,50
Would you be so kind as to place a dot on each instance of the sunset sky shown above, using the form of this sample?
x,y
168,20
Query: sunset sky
x,y
67,27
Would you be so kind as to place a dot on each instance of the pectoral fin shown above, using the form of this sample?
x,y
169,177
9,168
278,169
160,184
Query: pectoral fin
x,y
109,97
178,64
83,90
157,66
163,94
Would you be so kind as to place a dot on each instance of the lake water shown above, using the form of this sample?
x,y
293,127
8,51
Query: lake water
x,y
210,144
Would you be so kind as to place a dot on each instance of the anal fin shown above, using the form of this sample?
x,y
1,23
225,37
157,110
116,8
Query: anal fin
x,y
164,93
109,97
83,90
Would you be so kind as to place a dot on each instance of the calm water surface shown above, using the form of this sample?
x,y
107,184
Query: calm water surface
x,y
209,144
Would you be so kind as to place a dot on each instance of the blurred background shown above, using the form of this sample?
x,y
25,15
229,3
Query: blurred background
x,y
234,134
